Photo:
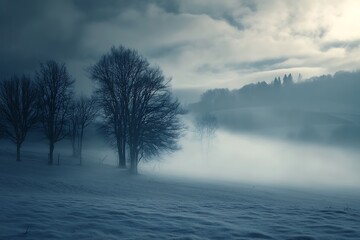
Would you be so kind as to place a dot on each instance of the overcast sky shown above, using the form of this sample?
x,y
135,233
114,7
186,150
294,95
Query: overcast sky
x,y
198,43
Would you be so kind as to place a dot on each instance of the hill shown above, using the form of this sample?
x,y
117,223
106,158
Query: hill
x,y
321,109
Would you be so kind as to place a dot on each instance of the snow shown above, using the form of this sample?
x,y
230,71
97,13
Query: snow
x,y
97,201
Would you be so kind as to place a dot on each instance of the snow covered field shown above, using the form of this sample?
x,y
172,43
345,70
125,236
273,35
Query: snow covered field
x,y
102,202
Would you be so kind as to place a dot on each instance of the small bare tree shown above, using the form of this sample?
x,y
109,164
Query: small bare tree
x,y
17,109
205,126
83,113
55,93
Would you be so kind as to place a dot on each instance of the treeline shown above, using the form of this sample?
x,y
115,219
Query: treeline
x,y
327,91
322,109
132,101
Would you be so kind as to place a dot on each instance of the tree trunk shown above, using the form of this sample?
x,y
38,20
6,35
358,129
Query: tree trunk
x,y
121,153
122,163
134,167
73,142
51,153
80,145
123,147
18,146
133,161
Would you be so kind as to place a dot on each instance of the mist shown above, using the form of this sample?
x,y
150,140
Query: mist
x,y
254,159
232,157
302,133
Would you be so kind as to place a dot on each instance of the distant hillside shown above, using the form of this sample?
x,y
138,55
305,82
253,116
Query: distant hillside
x,y
330,92
324,108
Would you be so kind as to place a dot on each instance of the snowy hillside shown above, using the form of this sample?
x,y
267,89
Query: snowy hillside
x,y
103,202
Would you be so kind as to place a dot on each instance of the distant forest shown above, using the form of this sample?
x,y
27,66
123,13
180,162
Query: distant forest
x,y
324,108
340,90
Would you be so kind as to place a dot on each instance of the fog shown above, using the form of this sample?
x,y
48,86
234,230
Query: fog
x,y
244,158
232,157
268,134
287,132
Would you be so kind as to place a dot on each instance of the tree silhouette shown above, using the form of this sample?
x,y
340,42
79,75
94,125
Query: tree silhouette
x,y
288,80
55,92
277,82
137,106
17,109
114,75
83,112
153,121
205,126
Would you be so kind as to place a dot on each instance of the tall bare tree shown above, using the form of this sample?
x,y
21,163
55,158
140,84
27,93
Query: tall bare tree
x,y
153,123
137,105
83,113
114,74
55,92
17,109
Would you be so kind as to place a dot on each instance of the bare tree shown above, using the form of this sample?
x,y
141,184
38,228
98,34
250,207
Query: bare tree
x,y
154,125
17,109
205,126
137,105
55,92
83,112
114,74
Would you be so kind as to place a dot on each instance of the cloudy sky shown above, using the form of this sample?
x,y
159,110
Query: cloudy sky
x,y
199,43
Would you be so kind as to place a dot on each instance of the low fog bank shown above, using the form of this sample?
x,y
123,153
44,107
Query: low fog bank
x,y
288,131
226,156
231,157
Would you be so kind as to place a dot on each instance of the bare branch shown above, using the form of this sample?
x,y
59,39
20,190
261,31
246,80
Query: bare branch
x,y
55,92
17,109
136,105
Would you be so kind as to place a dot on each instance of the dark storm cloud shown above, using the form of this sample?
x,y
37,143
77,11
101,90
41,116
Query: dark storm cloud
x,y
34,31
236,20
193,41
262,65
106,10
167,50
